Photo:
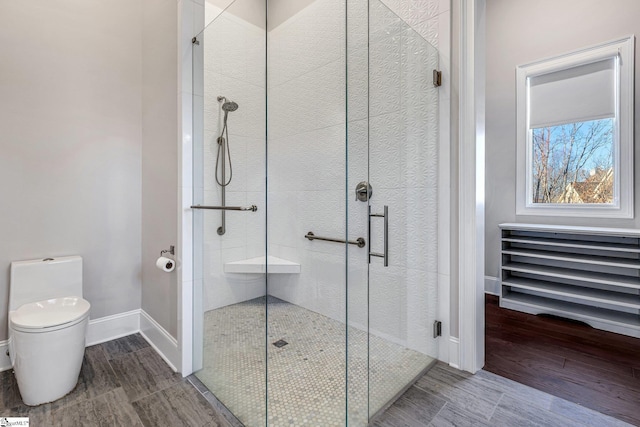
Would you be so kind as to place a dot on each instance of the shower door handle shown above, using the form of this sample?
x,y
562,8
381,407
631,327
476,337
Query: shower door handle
x,y
384,255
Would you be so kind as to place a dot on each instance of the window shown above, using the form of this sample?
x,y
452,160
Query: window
x,y
575,133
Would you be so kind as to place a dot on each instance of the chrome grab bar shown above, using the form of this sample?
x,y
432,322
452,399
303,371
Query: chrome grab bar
x,y
359,241
251,208
384,215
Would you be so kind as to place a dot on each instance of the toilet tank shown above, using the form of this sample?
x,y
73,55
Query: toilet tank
x,y
37,280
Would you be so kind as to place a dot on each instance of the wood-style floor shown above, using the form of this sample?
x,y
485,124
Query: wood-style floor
x,y
122,383
125,383
596,369
447,397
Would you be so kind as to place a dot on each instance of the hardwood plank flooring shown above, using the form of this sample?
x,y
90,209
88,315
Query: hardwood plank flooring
x,y
593,368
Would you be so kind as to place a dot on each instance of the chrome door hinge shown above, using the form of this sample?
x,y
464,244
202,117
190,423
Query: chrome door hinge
x,y
437,78
437,329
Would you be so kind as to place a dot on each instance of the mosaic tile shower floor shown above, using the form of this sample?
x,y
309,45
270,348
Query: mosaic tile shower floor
x,y
305,376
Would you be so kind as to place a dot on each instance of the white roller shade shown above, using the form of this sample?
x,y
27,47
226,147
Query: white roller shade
x,y
578,94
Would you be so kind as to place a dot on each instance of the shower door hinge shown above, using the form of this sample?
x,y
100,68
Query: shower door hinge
x,y
195,41
437,78
437,329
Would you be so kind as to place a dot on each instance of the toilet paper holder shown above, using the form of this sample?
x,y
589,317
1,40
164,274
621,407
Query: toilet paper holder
x,y
171,250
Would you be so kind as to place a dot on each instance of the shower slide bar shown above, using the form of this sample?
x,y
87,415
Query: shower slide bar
x,y
359,241
251,208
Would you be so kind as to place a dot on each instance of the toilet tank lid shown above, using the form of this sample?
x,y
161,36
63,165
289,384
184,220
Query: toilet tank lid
x,y
49,313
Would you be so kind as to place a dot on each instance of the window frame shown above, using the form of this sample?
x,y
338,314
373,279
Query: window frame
x,y
623,152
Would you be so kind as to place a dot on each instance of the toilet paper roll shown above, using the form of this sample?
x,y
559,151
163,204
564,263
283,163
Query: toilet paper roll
x,y
165,264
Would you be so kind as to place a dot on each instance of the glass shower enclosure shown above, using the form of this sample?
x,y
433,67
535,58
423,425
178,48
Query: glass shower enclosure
x,y
315,209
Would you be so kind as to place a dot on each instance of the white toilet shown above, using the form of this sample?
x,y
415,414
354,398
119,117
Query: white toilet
x,y
47,325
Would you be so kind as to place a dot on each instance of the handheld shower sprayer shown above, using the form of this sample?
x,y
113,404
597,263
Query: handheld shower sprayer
x,y
224,154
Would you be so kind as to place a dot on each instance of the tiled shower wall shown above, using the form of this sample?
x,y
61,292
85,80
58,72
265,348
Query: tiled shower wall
x,y
404,165
234,66
307,80
307,164
307,126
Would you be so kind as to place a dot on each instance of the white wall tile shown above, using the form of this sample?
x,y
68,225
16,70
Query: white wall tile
x,y
311,101
307,147
309,40
233,63
402,143
422,309
414,11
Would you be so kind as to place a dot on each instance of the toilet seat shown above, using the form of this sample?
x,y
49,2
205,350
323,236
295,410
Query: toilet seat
x,y
49,315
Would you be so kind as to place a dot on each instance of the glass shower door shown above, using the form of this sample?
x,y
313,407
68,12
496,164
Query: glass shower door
x,y
295,322
403,221
229,194
307,313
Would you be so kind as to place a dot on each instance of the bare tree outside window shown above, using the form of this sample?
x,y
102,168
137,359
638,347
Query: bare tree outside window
x,y
573,163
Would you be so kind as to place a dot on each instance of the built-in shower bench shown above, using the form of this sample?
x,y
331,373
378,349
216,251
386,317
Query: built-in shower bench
x,y
259,265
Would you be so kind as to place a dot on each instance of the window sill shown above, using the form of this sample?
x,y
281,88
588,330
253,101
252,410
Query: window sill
x,y
577,212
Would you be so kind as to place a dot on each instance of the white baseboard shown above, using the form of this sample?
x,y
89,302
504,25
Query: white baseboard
x,y
111,327
454,352
160,340
98,331
492,285
120,325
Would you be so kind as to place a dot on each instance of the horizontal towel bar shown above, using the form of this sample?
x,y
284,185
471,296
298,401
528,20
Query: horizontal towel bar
x,y
251,208
359,241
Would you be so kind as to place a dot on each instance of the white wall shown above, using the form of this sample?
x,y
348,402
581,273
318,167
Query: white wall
x,y
70,153
159,157
519,32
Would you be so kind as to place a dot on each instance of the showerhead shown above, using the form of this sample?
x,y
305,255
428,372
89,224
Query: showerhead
x,y
229,106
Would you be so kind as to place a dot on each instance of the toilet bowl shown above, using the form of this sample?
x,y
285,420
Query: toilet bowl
x,y
47,326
